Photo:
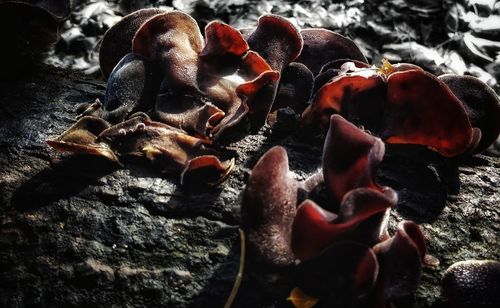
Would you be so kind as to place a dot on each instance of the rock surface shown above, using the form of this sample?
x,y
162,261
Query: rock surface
x,y
78,230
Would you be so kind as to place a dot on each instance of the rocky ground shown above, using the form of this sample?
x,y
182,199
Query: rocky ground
x,y
81,231
77,230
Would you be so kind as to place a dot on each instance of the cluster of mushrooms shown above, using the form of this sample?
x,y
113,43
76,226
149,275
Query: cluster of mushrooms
x,y
173,96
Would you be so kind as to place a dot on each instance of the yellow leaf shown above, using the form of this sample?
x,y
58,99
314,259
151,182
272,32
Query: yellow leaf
x,y
386,67
301,300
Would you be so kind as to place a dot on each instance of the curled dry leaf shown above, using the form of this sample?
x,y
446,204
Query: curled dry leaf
x,y
300,299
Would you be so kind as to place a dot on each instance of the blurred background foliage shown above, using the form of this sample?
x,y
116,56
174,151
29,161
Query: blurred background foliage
x,y
442,36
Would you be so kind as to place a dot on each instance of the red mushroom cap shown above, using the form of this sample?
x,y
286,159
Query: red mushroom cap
x,y
269,206
350,158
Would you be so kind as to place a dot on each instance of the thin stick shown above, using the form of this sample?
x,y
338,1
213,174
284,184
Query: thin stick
x,y
239,276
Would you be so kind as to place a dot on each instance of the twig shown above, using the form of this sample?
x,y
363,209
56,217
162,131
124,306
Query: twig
x,y
239,276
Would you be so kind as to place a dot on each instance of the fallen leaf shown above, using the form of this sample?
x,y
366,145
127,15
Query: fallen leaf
x,y
301,300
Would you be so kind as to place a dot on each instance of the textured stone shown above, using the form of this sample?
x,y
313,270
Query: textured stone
x,y
77,230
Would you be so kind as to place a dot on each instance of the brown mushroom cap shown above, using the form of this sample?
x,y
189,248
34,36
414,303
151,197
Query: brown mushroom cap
x,y
406,107
295,87
481,104
221,73
82,138
268,207
206,169
350,158
187,111
276,40
224,48
154,140
117,41
322,46
174,41
473,284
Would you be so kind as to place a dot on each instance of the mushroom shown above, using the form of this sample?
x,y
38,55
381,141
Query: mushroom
x,y
268,208
132,86
350,158
82,138
400,258
295,87
473,284
116,42
391,104
481,104
360,94
341,276
434,117
322,46
206,73
350,274
279,42
334,68
168,147
314,228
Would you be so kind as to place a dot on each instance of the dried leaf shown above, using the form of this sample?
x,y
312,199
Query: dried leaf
x,y
301,300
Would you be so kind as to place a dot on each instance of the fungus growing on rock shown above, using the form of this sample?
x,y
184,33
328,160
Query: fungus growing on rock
x,y
481,104
295,87
272,195
347,257
400,258
207,85
82,138
322,46
117,41
350,158
171,148
279,43
204,73
132,86
473,284
315,228
268,207
354,266
391,104
352,274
